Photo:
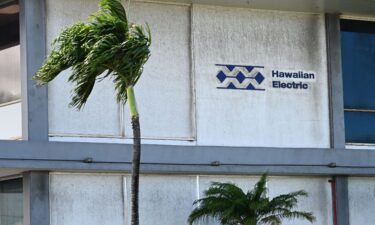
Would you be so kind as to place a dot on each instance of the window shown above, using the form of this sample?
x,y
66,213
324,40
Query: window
x,y
11,202
10,78
358,64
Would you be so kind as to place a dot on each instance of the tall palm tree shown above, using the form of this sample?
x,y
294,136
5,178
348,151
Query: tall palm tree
x,y
231,206
105,43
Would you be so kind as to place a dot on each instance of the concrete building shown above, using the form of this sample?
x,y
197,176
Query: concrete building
x,y
233,89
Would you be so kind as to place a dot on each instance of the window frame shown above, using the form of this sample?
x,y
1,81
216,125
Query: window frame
x,y
351,24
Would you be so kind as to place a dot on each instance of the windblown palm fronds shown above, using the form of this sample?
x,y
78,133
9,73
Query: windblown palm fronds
x,y
104,46
231,206
106,43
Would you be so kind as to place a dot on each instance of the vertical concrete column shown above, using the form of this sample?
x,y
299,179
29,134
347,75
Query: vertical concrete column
x,y
336,100
342,200
33,50
36,198
341,204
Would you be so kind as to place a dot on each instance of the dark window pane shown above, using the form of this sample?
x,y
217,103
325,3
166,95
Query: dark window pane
x,y
11,202
360,127
358,61
358,26
9,24
11,186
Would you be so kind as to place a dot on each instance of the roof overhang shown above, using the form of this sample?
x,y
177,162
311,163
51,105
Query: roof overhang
x,y
363,8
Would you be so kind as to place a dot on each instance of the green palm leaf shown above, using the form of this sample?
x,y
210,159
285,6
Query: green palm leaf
x,y
104,46
228,204
105,43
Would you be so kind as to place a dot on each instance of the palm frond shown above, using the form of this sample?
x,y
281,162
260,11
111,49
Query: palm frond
x,y
223,201
260,188
84,83
114,8
228,204
67,51
227,190
271,220
291,215
104,43
288,201
299,215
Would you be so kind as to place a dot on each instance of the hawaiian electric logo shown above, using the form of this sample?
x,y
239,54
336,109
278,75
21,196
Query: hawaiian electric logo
x,y
240,77
248,77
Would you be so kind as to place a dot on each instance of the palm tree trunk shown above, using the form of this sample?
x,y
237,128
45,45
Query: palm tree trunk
x,y
136,156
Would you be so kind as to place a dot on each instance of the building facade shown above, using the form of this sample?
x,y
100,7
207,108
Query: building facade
x,y
233,89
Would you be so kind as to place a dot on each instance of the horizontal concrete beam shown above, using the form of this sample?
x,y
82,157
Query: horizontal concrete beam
x,y
61,156
357,7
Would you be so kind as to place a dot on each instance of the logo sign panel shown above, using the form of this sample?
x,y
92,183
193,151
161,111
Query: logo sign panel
x,y
240,77
252,78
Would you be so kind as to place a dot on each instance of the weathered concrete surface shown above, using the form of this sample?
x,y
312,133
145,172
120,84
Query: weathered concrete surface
x,y
275,40
98,199
164,200
163,92
357,8
319,201
77,199
101,115
166,92
361,200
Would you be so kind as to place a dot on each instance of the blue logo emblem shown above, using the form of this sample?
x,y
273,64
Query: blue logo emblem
x,y
240,77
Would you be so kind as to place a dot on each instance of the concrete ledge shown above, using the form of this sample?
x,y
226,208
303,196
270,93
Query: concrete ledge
x,y
358,7
39,155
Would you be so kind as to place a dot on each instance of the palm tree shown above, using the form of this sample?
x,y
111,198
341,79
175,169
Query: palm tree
x,y
105,43
231,206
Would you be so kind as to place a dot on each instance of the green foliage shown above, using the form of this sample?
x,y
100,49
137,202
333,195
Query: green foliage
x,y
105,42
231,206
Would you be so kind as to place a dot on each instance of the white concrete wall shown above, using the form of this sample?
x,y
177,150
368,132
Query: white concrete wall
x,y
86,199
101,115
361,200
163,91
319,200
178,95
275,40
98,199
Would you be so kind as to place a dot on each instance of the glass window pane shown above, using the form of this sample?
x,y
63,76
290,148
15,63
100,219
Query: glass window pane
x,y
360,127
10,75
358,62
10,79
11,202
9,23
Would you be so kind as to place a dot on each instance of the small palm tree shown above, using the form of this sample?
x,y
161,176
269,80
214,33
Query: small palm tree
x,y
231,206
106,43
